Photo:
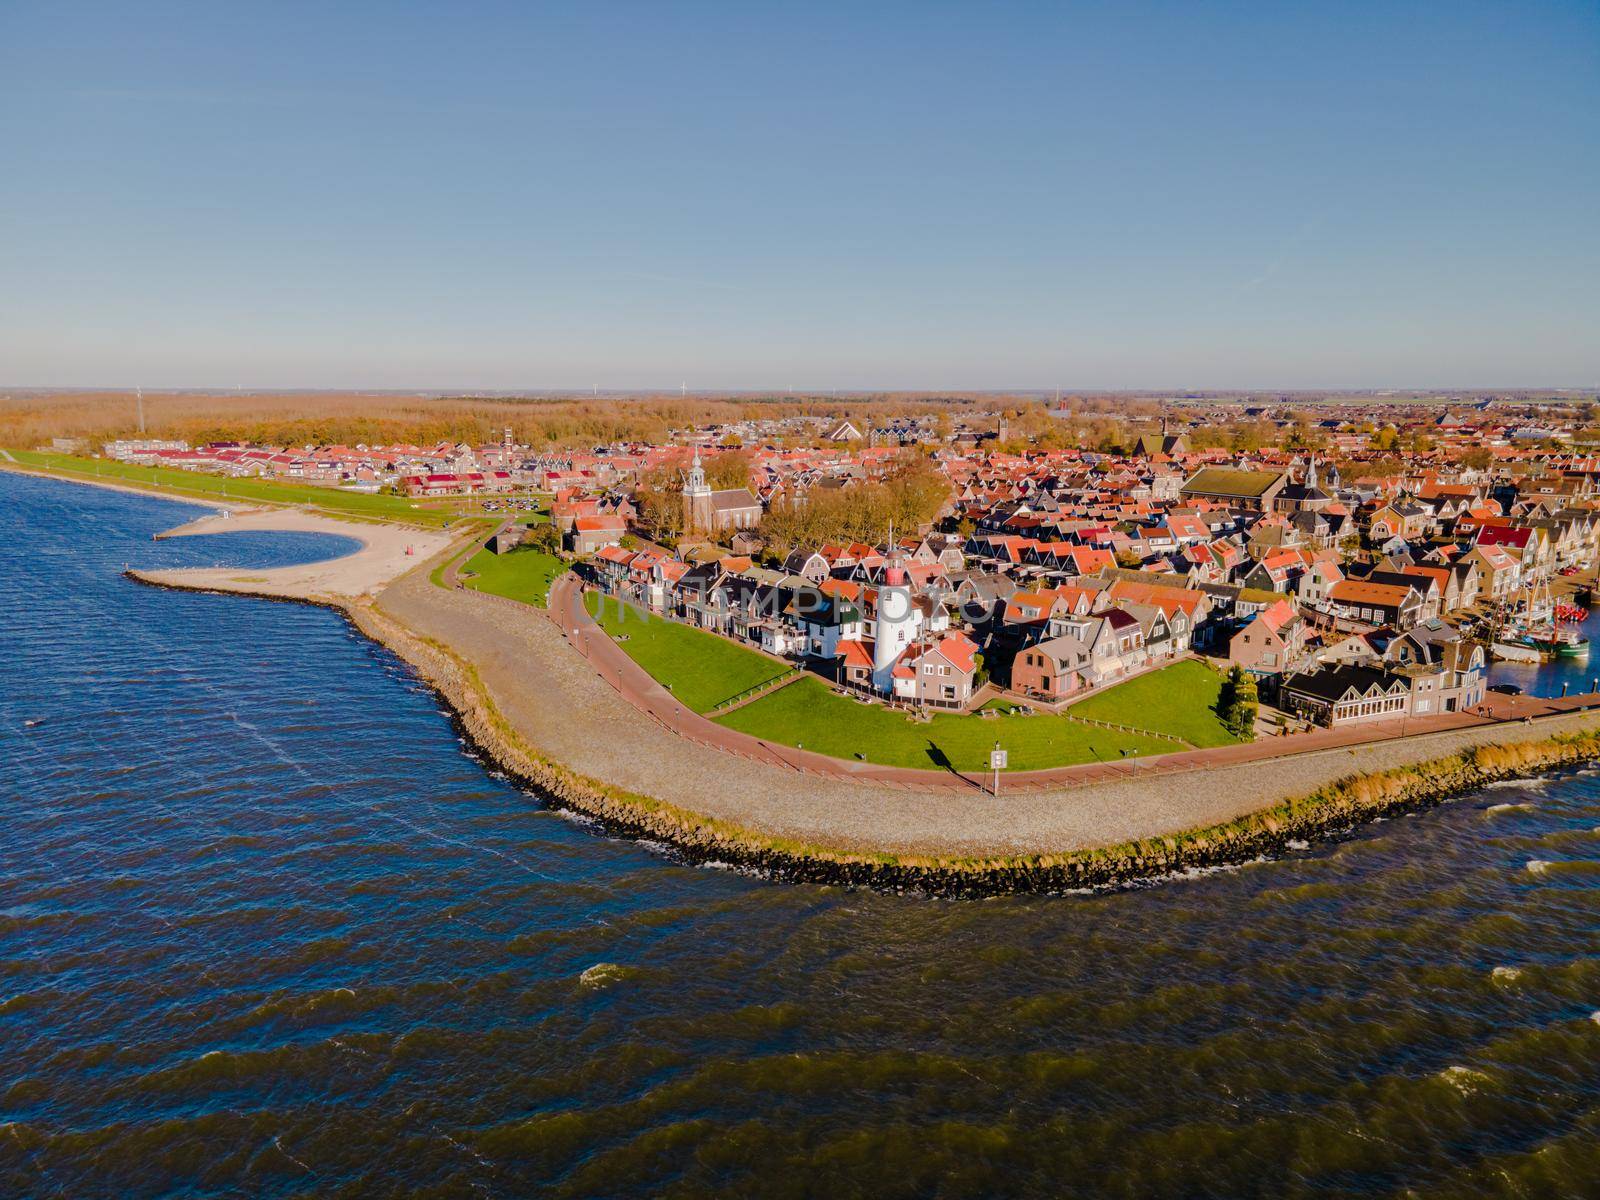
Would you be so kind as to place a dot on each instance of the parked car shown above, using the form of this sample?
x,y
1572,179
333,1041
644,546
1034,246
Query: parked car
x,y
1506,689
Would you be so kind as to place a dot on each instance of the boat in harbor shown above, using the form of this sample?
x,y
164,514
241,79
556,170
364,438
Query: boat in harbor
x,y
1544,627
1555,641
1508,652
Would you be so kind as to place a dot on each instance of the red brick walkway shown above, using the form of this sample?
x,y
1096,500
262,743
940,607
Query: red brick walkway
x,y
631,680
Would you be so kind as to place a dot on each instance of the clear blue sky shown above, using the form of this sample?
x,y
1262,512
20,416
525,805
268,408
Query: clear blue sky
x,y
810,195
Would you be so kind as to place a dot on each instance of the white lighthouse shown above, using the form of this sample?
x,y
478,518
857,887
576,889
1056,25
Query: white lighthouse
x,y
896,623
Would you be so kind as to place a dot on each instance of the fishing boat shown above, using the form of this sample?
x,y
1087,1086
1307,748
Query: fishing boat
x,y
1538,625
1552,639
1506,652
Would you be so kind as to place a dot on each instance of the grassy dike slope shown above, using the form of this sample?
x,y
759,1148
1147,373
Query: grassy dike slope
x,y
523,574
810,714
1179,700
700,668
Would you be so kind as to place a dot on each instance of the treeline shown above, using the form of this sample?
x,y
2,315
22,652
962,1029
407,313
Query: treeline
x,y
909,499
321,419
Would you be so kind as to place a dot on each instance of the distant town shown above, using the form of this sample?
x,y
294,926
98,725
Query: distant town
x,y
1353,560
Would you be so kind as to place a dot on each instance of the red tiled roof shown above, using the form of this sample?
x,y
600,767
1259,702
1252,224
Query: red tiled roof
x,y
854,653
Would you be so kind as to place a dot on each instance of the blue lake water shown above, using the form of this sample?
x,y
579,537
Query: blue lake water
x,y
267,929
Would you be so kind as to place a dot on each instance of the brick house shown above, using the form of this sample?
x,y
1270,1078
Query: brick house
x,y
938,672
1270,642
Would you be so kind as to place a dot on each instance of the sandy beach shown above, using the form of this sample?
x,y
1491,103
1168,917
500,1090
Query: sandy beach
x,y
385,553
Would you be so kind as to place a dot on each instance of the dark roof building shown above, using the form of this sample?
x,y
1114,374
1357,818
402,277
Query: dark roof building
x,y
1254,490
1344,694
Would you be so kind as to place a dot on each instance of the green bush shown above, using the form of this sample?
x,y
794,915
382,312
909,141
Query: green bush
x,y
1237,704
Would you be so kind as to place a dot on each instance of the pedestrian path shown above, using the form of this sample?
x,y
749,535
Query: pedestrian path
x,y
760,692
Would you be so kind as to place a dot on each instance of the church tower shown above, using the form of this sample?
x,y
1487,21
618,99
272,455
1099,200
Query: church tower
x,y
696,497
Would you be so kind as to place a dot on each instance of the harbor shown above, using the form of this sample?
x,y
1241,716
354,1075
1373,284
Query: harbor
x,y
1547,623
1546,674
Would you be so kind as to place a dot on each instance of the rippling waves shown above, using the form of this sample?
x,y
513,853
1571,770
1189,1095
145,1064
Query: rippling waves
x,y
267,930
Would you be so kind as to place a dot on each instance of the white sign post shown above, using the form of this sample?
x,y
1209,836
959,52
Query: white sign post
x,y
997,763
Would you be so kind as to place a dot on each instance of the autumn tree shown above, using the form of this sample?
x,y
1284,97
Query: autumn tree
x,y
730,469
659,499
909,498
545,537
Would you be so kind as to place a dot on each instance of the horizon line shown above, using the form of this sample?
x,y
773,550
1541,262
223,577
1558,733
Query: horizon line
x,y
578,393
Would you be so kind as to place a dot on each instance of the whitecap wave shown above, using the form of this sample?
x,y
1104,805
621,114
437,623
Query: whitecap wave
x,y
601,975
1463,1079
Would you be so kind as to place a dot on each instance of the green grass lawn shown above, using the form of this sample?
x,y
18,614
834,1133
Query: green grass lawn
x,y
1179,700
334,501
702,669
522,574
809,713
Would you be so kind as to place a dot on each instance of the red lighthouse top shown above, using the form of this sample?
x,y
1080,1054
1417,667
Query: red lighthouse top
x,y
894,572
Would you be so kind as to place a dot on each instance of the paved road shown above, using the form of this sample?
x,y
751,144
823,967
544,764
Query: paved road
x,y
636,685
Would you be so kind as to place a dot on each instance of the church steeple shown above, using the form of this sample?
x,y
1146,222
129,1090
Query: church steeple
x,y
697,513
694,483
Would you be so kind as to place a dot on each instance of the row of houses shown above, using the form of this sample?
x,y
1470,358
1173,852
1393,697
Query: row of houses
x,y
1427,670
885,639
